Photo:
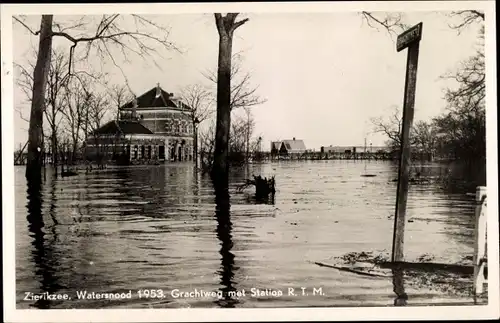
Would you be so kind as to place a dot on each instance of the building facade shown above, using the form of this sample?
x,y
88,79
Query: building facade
x,y
288,147
153,127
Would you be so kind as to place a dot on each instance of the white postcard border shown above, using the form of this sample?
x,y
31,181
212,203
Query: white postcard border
x,y
292,314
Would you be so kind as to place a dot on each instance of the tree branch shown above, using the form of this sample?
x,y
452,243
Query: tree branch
x,y
239,23
391,23
35,33
467,17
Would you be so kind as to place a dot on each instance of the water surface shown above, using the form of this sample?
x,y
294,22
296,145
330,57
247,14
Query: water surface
x,y
156,227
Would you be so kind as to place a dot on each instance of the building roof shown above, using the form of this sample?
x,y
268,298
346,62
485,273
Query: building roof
x,y
154,98
126,127
275,145
294,145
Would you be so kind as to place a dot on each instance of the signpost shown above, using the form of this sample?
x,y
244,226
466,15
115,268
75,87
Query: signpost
x,y
409,39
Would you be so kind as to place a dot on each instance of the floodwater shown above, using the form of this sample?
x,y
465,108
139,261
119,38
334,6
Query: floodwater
x,y
146,228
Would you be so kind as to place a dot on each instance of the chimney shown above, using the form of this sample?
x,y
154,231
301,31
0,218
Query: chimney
x,y
158,90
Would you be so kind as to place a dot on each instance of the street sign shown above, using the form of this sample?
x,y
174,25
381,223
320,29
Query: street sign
x,y
412,35
411,39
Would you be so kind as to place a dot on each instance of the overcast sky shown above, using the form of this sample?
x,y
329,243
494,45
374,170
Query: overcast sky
x,y
324,75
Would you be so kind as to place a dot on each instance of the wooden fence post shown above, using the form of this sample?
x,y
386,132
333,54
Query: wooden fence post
x,y
480,240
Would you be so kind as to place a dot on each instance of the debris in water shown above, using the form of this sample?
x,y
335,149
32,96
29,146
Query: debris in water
x,y
448,278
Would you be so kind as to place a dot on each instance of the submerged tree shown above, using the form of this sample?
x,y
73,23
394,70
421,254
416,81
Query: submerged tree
x,y
243,92
243,96
423,135
35,133
226,25
55,98
199,99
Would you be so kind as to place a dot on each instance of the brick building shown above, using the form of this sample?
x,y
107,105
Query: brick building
x,y
154,126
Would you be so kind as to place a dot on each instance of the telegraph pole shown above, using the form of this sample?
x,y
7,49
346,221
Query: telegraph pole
x,y
409,39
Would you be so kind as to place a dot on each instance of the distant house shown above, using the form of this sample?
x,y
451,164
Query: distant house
x,y
292,147
275,147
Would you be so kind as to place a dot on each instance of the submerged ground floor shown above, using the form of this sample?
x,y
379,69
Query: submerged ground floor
x,y
141,149
130,142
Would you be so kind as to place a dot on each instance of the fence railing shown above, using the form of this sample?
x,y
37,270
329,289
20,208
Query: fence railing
x,y
480,243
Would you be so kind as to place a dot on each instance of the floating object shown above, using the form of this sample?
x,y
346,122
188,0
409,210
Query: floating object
x,y
363,271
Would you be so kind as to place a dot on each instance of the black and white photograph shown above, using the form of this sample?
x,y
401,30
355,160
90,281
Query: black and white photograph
x,y
249,161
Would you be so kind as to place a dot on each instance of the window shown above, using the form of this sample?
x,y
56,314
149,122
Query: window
x,y
176,126
168,125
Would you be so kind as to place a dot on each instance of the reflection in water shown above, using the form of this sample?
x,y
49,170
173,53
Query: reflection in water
x,y
398,286
42,252
133,227
224,226
52,209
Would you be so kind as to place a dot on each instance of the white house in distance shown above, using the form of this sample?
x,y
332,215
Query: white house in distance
x,y
288,147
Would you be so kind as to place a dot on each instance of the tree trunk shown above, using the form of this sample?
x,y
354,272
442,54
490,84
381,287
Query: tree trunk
x,y
54,152
220,167
34,160
247,152
195,144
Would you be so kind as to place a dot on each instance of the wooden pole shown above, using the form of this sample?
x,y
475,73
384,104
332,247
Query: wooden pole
x,y
404,161
480,240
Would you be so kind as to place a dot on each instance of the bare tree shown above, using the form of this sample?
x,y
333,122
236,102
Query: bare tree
x,y
470,76
425,138
199,99
207,146
462,128
98,108
423,134
465,18
78,101
24,81
226,25
109,33
249,128
120,95
461,131
243,93
391,22
34,161
390,126
55,97
238,139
